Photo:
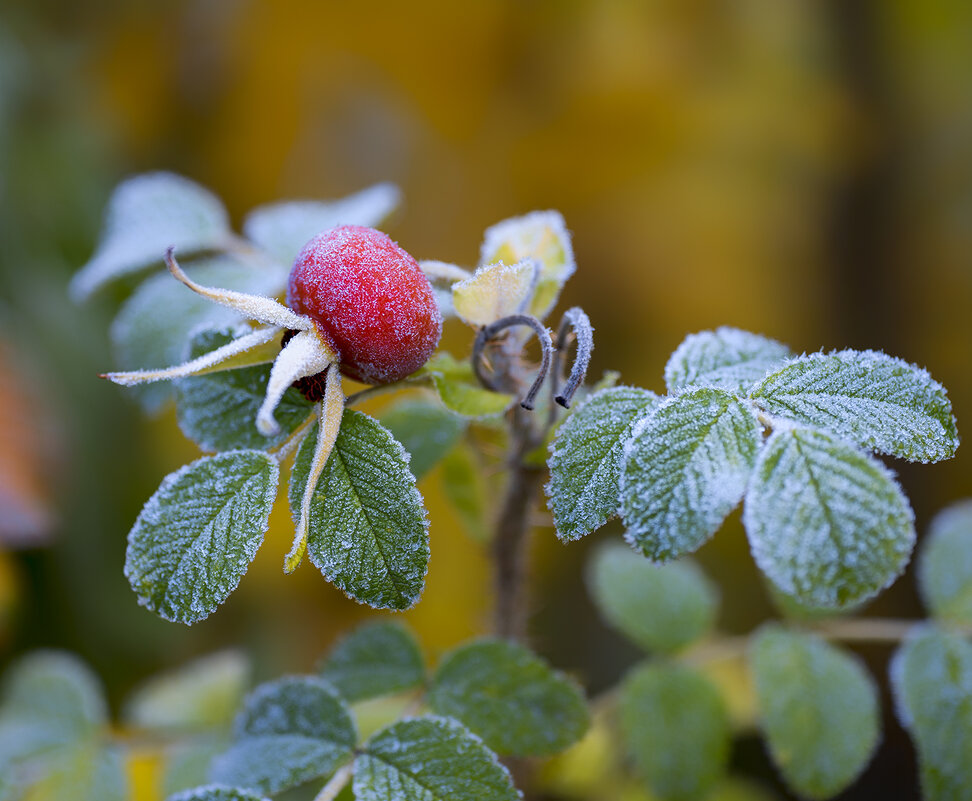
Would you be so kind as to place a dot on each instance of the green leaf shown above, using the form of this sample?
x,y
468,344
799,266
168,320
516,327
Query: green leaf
x,y
586,457
155,326
460,391
826,523
216,792
819,710
931,676
726,358
945,566
426,429
218,410
147,214
686,467
282,229
509,697
368,530
87,773
465,488
375,659
876,401
290,730
196,537
202,694
660,608
187,761
430,759
676,728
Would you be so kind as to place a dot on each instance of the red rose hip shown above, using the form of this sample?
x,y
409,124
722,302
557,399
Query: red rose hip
x,y
369,300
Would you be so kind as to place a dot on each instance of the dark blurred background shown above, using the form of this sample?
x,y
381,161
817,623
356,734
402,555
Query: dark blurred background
x,y
799,169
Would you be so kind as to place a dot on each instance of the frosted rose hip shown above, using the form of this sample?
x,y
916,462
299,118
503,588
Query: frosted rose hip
x,y
370,299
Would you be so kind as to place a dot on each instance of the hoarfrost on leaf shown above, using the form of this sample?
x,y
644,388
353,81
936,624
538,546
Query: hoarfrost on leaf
x,y
368,530
290,730
509,697
430,759
375,659
827,523
819,710
585,459
196,536
726,358
876,401
495,291
216,792
945,565
686,467
147,214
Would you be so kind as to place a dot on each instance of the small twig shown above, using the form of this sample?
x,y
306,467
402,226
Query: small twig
x,y
337,783
576,321
489,332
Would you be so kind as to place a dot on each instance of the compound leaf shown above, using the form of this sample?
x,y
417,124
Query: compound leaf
x,y
290,730
585,459
509,697
931,677
282,229
426,429
375,659
686,467
676,728
146,215
827,523
218,410
945,566
430,759
196,536
726,358
819,710
660,608
368,530
876,401
216,792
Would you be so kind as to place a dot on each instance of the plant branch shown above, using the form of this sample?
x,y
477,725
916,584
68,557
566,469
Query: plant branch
x,y
336,784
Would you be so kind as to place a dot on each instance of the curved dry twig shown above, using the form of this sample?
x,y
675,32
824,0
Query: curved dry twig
x,y
574,320
489,332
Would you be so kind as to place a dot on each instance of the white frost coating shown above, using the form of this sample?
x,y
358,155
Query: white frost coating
x,y
685,468
195,366
216,792
827,523
441,272
147,214
727,358
874,400
305,355
495,291
254,307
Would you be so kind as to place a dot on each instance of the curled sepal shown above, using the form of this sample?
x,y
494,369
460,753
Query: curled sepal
x,y
945,566
827,523
574,322
430,759
491,331
726,358
367,528
876,401
196,536
686,467
819,710
540,235
303,356
495,291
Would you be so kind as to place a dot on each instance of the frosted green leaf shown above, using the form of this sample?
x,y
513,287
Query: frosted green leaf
x,y
195,538
660,608
282,229
945,566
819,710
586,456
426,429
430,759
202,694
290,730
87,773
931,677
375,659
726,358
460,391
155,326
368,530
147,214
510,697
50,700
676,728
218,410
216,792
876,401
686,467
827,523
465,488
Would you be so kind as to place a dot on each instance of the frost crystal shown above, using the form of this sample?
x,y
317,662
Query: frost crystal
x,y
727,358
